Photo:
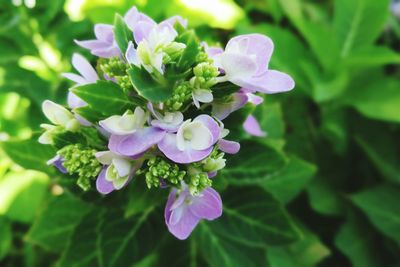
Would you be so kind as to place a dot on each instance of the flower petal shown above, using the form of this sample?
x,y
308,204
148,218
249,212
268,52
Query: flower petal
x,y
212,126
131,55
208,205
238,67
102,185
223,110
136,143
84,68
230,147
258,45
74,101
169,147
142,31
252,127
104,32
270,82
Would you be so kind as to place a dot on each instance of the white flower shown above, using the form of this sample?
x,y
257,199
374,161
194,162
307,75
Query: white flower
x,y
194,135
119,167
128,123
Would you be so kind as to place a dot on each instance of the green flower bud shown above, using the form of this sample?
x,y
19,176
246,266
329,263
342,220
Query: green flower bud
x,y
158,169
81,161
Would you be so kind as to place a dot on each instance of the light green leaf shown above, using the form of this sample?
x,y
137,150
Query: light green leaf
x,y
379,99
253,217
21,194
104,96
56,222
146,86
373,56
359,22
30,154
122,33
380,204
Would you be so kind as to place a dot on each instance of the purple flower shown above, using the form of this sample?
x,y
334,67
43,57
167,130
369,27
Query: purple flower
x,y
245,63
193,142
133,17
87,75
252,127
151,39
223,108
57,162
104,45
184,211
395,8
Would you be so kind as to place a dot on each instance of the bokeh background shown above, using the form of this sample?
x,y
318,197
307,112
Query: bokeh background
x,y
340,127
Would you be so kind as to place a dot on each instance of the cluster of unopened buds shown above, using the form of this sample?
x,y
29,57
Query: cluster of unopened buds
x,y
177,92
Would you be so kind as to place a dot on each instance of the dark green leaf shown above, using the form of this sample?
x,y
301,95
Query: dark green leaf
x,y
107,238
90,114
380,204
122,33
306,252
253,217
256,162
155,91
104,96
222,251
55,224
188,57
6,237
224,89
356,241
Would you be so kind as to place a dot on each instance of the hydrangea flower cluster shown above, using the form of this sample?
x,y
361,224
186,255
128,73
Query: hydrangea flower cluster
x,y
153,108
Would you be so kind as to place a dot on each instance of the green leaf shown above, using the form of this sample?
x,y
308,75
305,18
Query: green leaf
x,y
324,197
253,217
122,33
355,240
378,99
89,114
6,237
54,226
380,204
21,194
246,169
30,154
222,251
359,22
104,96
140,199
224,89
146,86
291,180
107,238
373,56
306,252
188,57
381,148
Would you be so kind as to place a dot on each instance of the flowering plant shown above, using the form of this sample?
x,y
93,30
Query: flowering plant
x,y
153,108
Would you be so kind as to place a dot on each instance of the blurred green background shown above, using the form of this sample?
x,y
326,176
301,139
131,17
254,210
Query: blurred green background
x,y
340,126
